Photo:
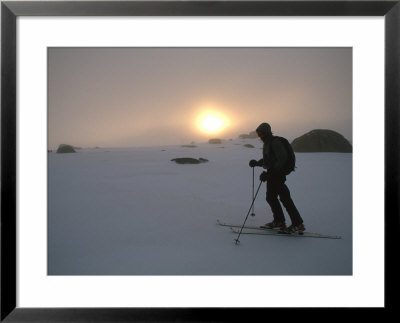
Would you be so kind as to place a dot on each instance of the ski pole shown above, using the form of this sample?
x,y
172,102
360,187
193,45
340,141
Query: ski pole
x,y
252,195
240,232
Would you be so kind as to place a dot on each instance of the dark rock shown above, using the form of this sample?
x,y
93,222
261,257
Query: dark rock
x,y
321,140
248,146
188,160
189,146
63,149
215,141
251,135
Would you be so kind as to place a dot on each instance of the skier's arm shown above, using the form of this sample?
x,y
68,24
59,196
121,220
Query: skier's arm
x,y
280,154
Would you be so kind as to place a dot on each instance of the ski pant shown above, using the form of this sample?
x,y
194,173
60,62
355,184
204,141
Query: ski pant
x,y
276,187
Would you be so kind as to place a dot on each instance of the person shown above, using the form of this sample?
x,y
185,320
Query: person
x,y
274,158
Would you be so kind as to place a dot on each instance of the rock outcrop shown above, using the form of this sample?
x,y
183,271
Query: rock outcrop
x,y
63,149
321,140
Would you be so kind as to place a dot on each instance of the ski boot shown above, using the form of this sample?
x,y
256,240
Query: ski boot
x,y
295,229
274,225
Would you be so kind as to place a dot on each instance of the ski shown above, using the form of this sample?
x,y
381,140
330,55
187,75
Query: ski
x,y
305,234
267,231
245,227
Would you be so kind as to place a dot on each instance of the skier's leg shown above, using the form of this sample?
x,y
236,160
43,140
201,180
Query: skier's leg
x,y
273,188
287,201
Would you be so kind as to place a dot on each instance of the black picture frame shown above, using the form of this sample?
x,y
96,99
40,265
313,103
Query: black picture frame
x,y
10,11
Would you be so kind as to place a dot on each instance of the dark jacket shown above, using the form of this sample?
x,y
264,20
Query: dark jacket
x,y
274,155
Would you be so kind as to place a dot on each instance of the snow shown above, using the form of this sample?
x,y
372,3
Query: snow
x,y
132,211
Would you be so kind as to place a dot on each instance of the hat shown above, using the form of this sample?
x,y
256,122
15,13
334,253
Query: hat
x,y
264,128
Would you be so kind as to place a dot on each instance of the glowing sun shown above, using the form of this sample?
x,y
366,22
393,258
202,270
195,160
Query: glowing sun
x,y
211,122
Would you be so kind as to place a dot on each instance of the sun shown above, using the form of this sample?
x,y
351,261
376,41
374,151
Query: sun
x,y
211,122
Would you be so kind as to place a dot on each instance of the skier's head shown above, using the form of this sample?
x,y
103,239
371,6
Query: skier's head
x,y
264,131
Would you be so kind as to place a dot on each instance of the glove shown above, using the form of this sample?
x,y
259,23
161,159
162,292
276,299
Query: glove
x,y
253,163
264,177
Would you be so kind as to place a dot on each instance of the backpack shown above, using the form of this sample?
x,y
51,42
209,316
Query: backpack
x,y
290,164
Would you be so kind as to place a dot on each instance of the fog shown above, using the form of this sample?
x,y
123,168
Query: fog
x,y
119,97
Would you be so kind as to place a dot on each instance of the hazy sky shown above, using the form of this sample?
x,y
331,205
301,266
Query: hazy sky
x,y
155,96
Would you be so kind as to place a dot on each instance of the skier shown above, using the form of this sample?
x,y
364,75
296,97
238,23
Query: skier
x,y
275,157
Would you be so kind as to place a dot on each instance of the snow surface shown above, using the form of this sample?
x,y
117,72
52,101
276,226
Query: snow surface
x,y
132,211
